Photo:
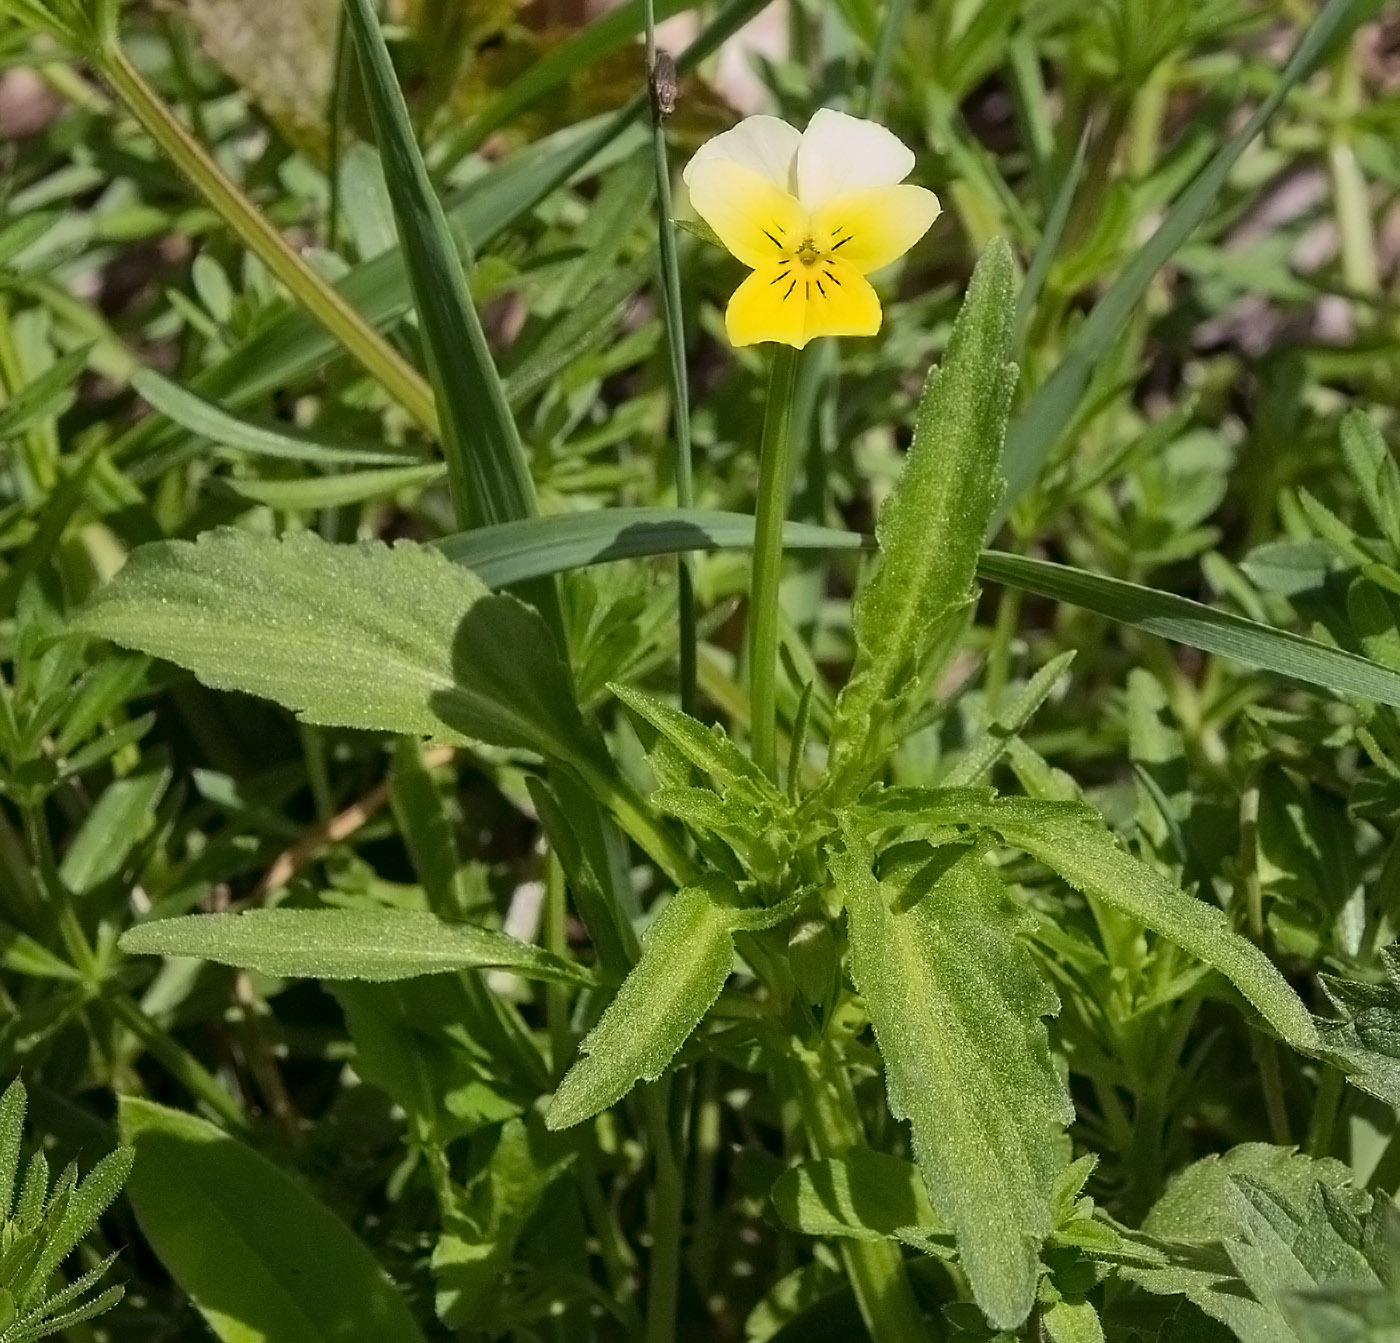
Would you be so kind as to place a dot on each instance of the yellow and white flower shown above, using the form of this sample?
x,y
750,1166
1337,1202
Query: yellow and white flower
x,y
811,213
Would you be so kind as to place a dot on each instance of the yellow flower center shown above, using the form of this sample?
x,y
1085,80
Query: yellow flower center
x,y
807,254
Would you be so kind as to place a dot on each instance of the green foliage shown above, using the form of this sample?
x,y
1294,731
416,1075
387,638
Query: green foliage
x,y
991,1015
378,946
931,529
41,1226
956,1006
260,1256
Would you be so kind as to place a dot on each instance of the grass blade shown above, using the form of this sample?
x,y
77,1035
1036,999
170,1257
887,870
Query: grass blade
x,y
487,471
1197,625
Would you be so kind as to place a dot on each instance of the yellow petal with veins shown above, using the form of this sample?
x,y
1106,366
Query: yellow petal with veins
x,y
754,218
791,303
871,228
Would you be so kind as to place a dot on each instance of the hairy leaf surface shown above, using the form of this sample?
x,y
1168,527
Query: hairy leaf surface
x,y
687,954
957,1002
377,945
392,639
931,529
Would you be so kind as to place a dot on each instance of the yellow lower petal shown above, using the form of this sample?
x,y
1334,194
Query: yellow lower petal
x,y
871,228
791,304
753,218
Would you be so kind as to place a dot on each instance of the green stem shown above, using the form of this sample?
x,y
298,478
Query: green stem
x,y
896,11
675,347
183,1067
632,814
668,1195
875,1268
1324,1116
321,299
57,896
774,472
999,655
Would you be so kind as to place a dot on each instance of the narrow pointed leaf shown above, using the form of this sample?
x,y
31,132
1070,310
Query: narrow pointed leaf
x,y
931,528
333,944
1044,418
956,1003
687,954
260,1256
489,476
1085,853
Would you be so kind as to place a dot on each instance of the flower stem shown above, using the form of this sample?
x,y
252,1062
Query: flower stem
x,y
774,473
320,298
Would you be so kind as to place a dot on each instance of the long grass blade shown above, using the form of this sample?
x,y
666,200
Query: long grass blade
x,y
486,467
511,554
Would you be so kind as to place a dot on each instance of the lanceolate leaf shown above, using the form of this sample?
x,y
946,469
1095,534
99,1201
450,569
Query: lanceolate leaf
x,y
377,945
957,1002
1086,855
687,954
264,1260
366,636
931,529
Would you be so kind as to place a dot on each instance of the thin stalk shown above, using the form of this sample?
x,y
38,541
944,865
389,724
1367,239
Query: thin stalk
x,y
556,996
896,11
999,655
675,346
1326,1105
57,896
875,1268
633,816
774,474
1265,1047
182,1066
320,299
668,1203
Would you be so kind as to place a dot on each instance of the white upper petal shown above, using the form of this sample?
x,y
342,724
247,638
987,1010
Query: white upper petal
x,y
768,145
841,153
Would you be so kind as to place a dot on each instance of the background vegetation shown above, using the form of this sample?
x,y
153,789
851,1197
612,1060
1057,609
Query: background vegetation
x,y
227,301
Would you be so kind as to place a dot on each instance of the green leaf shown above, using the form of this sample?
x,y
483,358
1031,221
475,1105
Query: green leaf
x,y
1198,626
89,1200
1086,855
377,945
471,1258
1365,1035
314,492
1246,1234
12,1107
112,829
1072,1322
487,470
956,1002
865,1195
365,636
687,954
1044,418
931,528
1375,472
207,421
516,551
263,1260
46,396
707,748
